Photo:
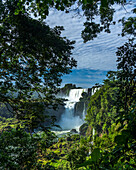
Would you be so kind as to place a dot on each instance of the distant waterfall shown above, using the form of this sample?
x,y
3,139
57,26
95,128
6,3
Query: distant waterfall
x,y
68,120
71,118
75,94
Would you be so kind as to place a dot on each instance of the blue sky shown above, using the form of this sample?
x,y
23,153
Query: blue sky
x,y
96,57
85,78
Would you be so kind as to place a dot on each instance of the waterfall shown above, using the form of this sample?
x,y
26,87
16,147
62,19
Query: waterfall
x,y
75,94
68,120
70,117
94,90
84,112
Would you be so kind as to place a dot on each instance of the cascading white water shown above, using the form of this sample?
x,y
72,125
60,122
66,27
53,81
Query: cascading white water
x,y
94,90
68,120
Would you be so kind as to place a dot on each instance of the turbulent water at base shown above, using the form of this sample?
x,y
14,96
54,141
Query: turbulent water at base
x,y
68,120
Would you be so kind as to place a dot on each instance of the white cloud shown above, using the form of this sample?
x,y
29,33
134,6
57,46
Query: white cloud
x,y
96,54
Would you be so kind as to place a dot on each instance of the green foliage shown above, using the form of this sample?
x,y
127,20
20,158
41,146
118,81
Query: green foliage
x,y
33,57
91,10
18,149
83,128
77,156
58,153
75,137
117,146
95,154
102,109
5,111
21,150
126,141
92,161
9,123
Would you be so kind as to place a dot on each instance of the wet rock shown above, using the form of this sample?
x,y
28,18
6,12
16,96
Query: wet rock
x,y
78,109
83,128
69,138
73,131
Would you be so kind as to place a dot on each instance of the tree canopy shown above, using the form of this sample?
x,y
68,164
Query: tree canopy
x,y
102,9
33,58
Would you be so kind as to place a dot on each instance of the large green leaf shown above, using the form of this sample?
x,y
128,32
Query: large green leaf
x,y
95,155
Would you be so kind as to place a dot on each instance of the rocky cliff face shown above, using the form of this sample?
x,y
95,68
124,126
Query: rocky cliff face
x,y
81,106
80,109
57,113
